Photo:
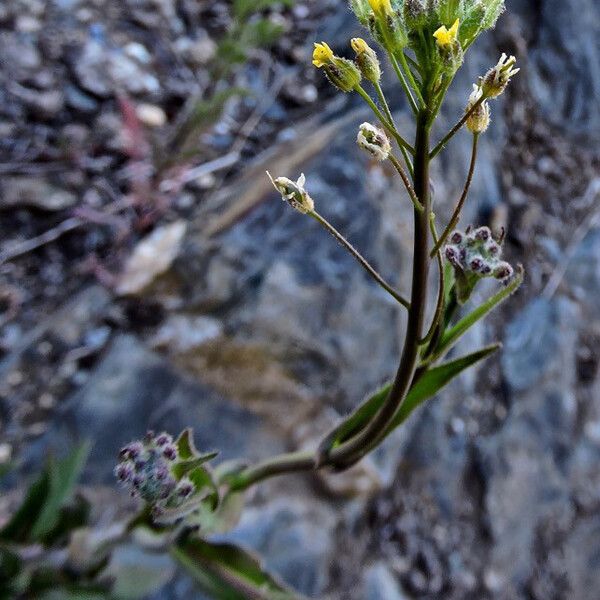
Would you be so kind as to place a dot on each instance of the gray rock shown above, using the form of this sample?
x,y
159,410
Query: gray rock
x,y
582,559
133,390
36,192
380,584
540,341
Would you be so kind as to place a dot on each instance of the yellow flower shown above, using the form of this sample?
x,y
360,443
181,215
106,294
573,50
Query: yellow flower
x,y
381,7
445,36
322,55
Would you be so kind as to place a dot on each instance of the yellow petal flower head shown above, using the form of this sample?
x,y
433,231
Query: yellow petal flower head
x,y
446,37
381,7
322,55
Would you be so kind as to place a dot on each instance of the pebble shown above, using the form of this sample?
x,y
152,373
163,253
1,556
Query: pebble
x,y
151,115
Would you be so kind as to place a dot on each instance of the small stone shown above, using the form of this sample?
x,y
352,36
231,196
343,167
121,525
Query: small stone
x,y
5,453
36,192
151,115
151,258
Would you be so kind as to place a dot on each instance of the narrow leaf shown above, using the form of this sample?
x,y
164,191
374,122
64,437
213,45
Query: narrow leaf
x,y
63,476
228,572
434,380
430,382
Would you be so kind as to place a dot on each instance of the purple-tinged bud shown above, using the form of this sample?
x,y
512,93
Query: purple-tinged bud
x,y
124,472
185,488
492,248
149,437
170,452
456,237
463,254
163,439
486,269
476,264
483,234
131,451
140,465
137,481
161,473
452,255
503,271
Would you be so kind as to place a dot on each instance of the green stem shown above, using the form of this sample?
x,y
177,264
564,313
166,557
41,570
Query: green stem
x,y
411,79
406,181
459,206
404,83
354,449
358,256
388,126
278,465
439,308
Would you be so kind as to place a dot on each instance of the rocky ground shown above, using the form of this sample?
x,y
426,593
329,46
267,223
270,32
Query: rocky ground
x,y
135,297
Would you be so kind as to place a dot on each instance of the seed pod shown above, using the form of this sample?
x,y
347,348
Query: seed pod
x,y
479,119
374,141
294,193
494,82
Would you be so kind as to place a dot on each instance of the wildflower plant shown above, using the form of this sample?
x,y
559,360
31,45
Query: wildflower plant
x,y
186,499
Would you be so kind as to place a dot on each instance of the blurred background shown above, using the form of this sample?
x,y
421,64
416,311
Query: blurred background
x,y
151,278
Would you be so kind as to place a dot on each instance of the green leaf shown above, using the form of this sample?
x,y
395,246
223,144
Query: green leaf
x,y
434,380
227,572
41,509
19,527
453,334
426,386
260,33
205,484
243,8
63,476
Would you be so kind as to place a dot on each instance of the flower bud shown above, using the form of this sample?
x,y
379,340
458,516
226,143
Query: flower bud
x,y
294,193
503,271
449,47
342,73
494,82
367,60
479,120
374,141
386,25
415,15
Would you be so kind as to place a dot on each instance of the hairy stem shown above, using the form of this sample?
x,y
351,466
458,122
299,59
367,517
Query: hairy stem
x,y
407,184
388,126
358,256
461,202
404,83
354,449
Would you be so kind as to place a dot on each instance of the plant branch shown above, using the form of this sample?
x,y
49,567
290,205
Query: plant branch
x,y
457,210
389,126
411,79
439,309
456,128
354,449
363,262
406,181
404,83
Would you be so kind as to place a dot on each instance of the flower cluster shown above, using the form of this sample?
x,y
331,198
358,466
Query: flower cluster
x,y
477,254
396,24
146,468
